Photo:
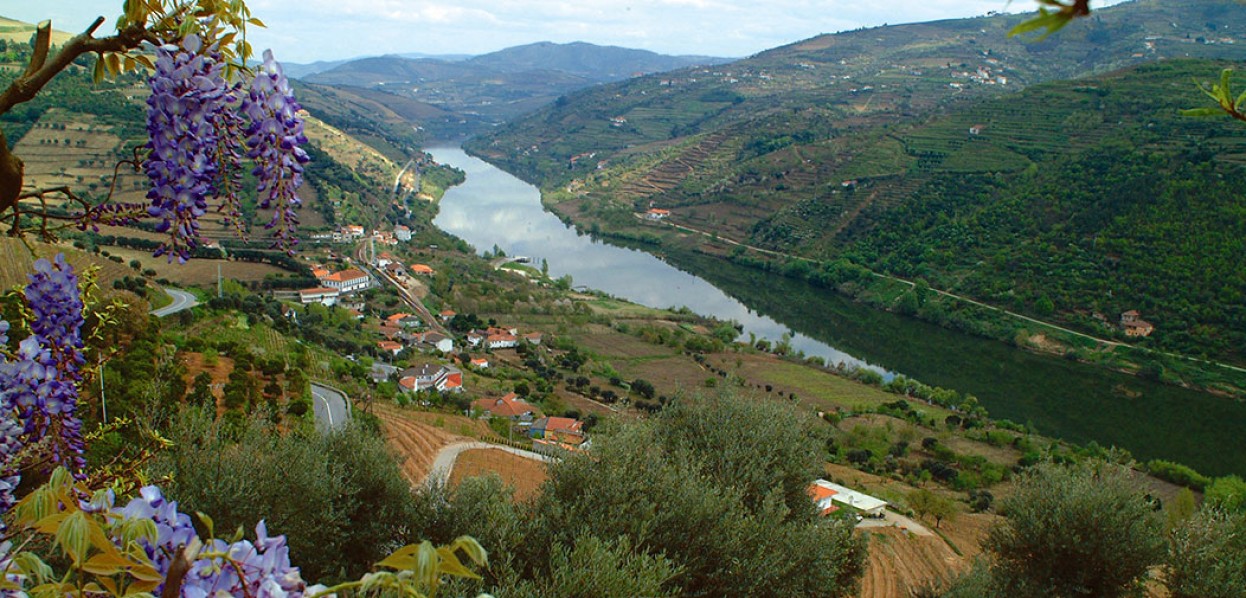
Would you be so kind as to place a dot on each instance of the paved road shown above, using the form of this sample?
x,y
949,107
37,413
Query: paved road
x,y
181,301
444,463
330,408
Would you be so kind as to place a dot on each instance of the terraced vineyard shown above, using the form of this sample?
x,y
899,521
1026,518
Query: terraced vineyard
x,y
415,443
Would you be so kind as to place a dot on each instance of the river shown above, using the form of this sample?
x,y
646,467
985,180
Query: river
x,y
1061,398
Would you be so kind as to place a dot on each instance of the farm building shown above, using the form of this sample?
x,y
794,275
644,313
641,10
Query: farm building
x,y
866,504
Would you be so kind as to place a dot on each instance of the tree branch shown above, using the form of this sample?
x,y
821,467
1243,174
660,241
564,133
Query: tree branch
x,y
41,70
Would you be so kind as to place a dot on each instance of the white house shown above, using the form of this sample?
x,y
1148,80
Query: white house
x,y
866,504
437,340
327,296
444,378
501,341
347,281
402,233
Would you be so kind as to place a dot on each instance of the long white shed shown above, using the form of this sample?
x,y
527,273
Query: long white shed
x,y
866,504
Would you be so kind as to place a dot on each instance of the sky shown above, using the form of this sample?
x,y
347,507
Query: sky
x,y
310,30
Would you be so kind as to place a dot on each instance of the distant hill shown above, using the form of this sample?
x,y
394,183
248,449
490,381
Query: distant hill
x,y
486,90
296,70
822,87
908,149
20,31
599,64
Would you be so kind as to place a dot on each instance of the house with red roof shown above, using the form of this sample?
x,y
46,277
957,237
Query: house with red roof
x,y
823,498
421,270
391,347
657,214
1134,325
501,341
510,406
562,429
431,376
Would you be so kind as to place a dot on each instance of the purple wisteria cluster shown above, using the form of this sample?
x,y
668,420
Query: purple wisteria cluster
x,y
195,122
39,383
188,95
273,138
259,569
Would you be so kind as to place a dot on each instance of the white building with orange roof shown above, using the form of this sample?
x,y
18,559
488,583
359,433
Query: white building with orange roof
x,y
348,281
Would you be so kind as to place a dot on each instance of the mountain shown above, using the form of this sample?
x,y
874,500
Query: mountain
x,y
599,64
913,150
296,70
485,90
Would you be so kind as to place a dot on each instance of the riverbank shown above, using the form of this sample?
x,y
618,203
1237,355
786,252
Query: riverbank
x,y
1080,402
918,300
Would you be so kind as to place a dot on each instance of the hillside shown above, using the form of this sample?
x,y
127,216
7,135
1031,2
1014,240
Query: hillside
x,y
80,134
888,147
21,32
482,91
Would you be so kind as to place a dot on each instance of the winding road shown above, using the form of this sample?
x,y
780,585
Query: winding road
x,y
181,301
330,407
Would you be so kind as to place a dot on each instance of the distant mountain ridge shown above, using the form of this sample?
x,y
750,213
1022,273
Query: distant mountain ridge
x,y
488,89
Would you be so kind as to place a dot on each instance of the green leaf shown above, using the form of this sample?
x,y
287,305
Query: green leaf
x,y
207,523
51,523
1202,112
106,564
99,73
30,564
1051,21
472,548
74,536
450,565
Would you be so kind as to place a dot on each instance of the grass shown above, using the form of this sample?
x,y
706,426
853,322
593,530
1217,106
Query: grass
x,y
822,390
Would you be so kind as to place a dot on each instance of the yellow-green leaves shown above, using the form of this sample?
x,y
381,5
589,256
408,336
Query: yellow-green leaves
x,y
86,539
1052,20
1222,93
418,569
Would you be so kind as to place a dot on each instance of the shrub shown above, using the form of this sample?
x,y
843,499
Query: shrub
x,y
1082,530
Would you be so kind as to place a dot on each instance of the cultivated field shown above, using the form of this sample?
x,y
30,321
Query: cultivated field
x,y
524,475
415,444
198,272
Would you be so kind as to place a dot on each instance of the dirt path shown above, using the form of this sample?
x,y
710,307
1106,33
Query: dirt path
x,y
895,520
417,444
443,466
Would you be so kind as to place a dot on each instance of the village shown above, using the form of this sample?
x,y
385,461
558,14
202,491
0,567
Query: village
x,y
427,354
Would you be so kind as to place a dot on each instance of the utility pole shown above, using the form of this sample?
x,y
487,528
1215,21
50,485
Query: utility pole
x,y
219,293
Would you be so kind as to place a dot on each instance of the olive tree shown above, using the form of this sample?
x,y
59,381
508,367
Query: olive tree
x,y
1207,556
1080,530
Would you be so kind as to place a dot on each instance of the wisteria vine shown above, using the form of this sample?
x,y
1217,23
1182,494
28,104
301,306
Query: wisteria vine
x,y
39,382
273,138
195,119
243,568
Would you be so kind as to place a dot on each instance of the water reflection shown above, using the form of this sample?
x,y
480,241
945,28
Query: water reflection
x,y
494,208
